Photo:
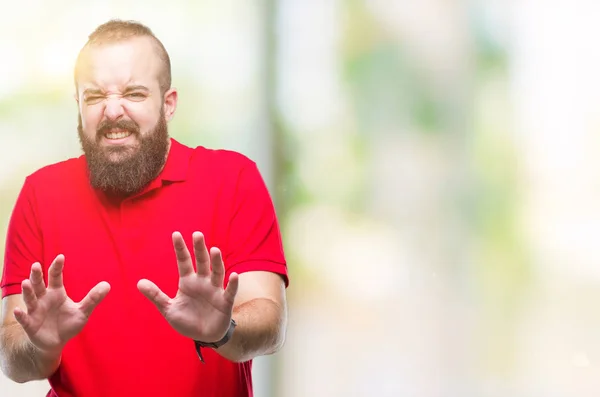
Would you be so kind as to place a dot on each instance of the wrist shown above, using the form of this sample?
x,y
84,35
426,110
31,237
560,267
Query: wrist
x,y
45,361
217,344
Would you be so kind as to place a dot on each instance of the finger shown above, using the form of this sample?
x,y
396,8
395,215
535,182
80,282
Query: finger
x,y
184,260
218,269
22,318
55,272
29,297
94,297
232,288
201,254
156,296
37,280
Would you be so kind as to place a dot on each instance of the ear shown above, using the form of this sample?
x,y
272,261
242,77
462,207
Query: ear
x,y
170,103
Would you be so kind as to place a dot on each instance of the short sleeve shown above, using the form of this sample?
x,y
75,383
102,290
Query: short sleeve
x,y
23,242
254,238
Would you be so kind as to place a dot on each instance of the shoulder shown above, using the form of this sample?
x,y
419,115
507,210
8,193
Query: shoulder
x,y
64,174
222,158
224,170
218,163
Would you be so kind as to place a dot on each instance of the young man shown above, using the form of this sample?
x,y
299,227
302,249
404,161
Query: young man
x,y
108,286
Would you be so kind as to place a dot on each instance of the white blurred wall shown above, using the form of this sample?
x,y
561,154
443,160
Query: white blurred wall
x,y
392,298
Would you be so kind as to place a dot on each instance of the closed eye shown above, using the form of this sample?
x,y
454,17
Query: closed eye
x,y
136,96
93,99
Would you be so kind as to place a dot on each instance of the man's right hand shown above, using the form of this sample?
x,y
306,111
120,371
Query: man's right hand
x,y
52,318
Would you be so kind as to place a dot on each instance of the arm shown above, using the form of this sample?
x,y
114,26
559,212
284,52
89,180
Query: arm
x,y
260,311
20,360
256,275
37,324
254,250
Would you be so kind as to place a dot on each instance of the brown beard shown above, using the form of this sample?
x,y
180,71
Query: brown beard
x,y
136,169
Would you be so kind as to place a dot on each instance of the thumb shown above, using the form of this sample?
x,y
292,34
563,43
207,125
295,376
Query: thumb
x,y
154,294
94,297
22,318
232,288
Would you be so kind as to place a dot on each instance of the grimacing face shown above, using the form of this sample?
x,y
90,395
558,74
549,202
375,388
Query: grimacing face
x,y
123,115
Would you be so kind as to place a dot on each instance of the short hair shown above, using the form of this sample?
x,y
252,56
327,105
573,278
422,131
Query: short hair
x,y
117,30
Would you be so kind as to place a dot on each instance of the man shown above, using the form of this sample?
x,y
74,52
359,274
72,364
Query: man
x,y
108,287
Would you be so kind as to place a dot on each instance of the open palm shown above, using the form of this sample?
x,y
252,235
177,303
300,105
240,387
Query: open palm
x,y
52,318
202,308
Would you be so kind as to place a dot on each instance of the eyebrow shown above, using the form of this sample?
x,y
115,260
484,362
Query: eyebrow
x,y
135,88
92,91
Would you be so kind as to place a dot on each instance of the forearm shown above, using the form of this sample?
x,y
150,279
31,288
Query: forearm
x,y
260,330
20,360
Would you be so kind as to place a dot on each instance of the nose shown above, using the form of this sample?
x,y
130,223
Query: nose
x,y
113,109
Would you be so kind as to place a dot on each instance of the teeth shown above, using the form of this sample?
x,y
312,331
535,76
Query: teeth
x,y
118,135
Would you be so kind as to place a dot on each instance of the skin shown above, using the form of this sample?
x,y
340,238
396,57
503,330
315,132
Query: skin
x,y
120,82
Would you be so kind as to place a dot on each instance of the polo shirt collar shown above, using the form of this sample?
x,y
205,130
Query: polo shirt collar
x,y
178,161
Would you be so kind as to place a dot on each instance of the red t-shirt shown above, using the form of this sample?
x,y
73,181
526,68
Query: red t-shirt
x,y
127,348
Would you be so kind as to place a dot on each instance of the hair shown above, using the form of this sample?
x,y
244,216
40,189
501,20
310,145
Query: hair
x,y
117,30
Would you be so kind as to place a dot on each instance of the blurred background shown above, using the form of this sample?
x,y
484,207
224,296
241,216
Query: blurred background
x,y
435,166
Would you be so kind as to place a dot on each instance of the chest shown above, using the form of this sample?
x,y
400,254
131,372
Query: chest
x,y
125,242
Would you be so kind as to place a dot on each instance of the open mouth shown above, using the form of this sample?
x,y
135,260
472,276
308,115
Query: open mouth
x,y
117,134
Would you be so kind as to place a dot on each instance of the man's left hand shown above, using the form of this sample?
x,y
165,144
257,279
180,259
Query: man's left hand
x,y
202,308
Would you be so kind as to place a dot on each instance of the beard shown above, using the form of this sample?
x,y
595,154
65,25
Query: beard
x,y
122,171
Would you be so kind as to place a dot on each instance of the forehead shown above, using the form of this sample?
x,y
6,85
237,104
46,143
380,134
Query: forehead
x,y
113,66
